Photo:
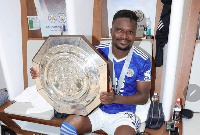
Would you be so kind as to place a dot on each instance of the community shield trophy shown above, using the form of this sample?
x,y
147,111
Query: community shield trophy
x,y
72,74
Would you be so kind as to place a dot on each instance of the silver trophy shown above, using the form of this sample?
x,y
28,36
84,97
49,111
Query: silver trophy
x,y
72,74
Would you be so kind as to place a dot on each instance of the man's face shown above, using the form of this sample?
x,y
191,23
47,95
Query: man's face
x,y
123,33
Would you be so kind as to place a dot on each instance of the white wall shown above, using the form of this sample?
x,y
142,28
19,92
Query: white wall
x,y
2,78
11,46
80,17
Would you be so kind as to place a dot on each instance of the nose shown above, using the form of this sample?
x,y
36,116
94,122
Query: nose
x,y
124,35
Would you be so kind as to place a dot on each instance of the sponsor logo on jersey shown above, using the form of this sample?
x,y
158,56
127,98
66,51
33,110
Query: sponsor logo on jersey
x,y
147,75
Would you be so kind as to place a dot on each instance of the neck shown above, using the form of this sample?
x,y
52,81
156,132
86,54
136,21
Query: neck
x,y
119,53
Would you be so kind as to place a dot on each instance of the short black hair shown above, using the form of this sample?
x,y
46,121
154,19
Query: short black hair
x,y
125,14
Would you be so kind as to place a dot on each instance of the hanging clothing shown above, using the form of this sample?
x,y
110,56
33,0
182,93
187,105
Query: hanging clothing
x,y
162,31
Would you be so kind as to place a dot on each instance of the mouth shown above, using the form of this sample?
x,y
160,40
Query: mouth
x,y
123,41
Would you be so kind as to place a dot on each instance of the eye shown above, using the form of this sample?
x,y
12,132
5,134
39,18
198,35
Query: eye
x,y
130,32
119,31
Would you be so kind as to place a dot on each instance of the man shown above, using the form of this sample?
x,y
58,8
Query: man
x,y
131,85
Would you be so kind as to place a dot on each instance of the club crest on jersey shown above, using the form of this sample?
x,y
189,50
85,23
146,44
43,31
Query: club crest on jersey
x,y
130,72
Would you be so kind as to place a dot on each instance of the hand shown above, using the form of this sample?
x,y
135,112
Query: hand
x,y
107,97
34,73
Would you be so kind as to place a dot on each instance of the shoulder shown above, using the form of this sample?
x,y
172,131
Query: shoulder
x,y
102,46
138,53
103,49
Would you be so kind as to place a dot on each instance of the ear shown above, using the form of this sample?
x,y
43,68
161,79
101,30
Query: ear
x,y
111,31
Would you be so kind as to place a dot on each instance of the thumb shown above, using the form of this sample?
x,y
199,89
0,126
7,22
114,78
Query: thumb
x,y
110,88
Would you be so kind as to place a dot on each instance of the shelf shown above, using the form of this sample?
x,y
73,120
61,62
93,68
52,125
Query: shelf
x,y
136,39
37,38
197,41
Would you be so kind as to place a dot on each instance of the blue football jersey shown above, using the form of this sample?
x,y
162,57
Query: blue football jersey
x,y
139,70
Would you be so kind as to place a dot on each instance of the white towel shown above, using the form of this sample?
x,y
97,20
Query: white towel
x,y
31,95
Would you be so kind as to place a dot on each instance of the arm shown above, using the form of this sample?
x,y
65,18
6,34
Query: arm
x,y
143,88
140,98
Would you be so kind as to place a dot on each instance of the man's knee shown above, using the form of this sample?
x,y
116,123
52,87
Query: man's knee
x,y
75,120
125,129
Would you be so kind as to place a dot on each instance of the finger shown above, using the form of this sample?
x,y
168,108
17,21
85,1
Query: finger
x,y
32,69
103,93
110,88
34,76
106,94
103,97
35,73
104,101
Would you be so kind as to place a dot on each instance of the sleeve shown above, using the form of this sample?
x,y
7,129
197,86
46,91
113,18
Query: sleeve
x,y
101,51
144,71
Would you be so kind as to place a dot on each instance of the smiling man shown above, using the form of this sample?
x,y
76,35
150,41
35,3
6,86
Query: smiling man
x,y
130,72
131,85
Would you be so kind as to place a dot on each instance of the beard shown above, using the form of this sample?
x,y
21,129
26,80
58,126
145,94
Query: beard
x,y
123,49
